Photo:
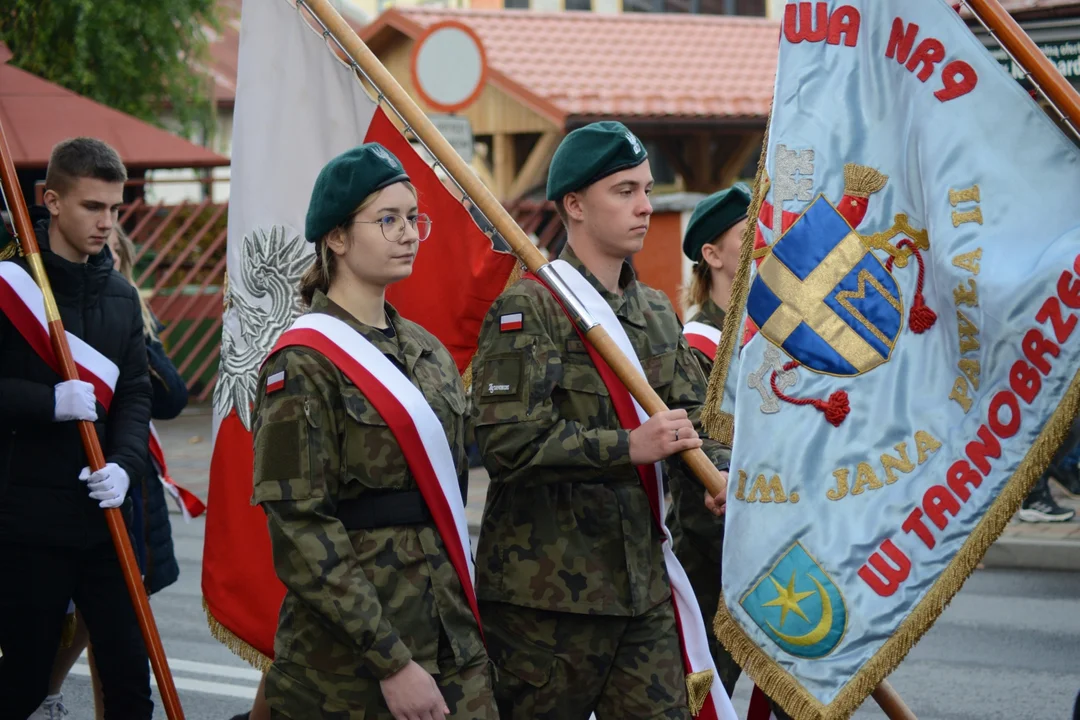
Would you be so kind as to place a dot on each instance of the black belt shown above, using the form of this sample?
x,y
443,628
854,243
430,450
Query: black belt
x,y
384,509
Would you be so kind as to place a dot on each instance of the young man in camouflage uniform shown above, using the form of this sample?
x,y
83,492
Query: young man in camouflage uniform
x,y
575,597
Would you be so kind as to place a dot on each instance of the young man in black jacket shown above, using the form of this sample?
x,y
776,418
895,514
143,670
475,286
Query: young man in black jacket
x,y
54,542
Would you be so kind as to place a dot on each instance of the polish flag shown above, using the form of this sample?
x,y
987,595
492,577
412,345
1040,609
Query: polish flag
x,y
297,106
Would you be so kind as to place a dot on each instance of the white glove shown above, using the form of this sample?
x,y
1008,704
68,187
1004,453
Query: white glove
x,y
109,484
75,401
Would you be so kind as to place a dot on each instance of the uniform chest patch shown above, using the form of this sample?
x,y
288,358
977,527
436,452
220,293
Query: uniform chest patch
x,y
511,322
575,345
500,378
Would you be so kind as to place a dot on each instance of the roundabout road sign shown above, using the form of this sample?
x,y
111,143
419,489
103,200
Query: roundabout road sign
x,y
448,66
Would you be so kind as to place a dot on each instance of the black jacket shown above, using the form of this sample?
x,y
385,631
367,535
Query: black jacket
x,y
150,523
42,500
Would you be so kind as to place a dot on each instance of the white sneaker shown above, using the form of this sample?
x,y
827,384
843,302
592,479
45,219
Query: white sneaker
x,y
52,708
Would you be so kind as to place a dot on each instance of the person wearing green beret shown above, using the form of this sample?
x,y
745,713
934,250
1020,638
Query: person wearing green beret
x,y
712,240
376,620
576,598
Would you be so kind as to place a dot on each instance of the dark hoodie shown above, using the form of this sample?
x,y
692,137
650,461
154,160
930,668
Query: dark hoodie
x,y
42,500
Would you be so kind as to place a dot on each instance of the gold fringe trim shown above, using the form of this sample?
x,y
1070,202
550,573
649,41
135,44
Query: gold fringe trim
x,y
698,685
782,687
240,648
711,415
515,275
862,181
725,432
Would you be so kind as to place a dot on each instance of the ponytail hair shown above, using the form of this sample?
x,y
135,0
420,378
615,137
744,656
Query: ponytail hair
x,y
319,273
125,263
697,292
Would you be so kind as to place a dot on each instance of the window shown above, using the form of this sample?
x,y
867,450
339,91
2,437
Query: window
x,y
516,4
703,7
578,5
755,8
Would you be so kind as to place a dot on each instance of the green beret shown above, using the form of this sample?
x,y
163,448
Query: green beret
x,y
591,153
713,216
344,183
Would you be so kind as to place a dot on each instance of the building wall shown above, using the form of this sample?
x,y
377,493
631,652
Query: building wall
x,y
659,264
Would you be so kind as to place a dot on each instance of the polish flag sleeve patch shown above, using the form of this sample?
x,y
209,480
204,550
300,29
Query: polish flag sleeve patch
x,y
275,382
511,322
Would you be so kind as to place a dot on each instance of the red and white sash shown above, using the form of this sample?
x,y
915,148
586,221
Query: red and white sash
x,y
692,631
190,505
415,426
24,305
703,338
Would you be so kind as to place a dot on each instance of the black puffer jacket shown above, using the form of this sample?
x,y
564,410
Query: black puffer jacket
x,y
150,524
42,500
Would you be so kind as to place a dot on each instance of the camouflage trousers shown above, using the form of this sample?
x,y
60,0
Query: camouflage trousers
x,y
563,666
298,693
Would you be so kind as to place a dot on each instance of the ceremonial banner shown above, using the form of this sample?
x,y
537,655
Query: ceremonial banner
x,y
297,106
912,349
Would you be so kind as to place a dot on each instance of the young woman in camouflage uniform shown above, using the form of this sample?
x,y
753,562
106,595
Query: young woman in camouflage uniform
x,y
375,623
712,241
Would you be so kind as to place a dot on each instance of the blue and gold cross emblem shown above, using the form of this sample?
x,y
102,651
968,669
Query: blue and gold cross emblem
x,y
823,297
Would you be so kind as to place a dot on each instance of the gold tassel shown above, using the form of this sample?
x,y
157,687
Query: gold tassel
x,y
862,181
801,705
67,634
698,685
515,275
240,648
711,416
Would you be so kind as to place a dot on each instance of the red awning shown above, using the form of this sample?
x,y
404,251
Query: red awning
x,y
38,114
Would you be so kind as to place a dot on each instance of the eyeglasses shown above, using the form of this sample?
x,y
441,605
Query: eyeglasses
x,y
393,226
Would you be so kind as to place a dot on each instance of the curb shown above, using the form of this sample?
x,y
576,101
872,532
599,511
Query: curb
x,y
1027,554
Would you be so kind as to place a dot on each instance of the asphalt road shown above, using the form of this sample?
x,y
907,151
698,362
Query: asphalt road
x,y
1007,647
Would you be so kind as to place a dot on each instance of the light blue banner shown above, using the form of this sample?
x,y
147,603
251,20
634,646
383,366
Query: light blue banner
x,y
882,421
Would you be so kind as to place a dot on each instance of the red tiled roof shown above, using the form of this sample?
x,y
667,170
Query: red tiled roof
x,y
38,114
581,65
224,52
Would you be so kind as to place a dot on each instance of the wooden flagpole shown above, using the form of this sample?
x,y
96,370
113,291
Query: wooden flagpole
x,y
1043,73
28,243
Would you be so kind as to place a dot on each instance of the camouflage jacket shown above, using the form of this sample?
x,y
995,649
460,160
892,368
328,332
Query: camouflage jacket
x,y
567,525
697,535
708,314
358,603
